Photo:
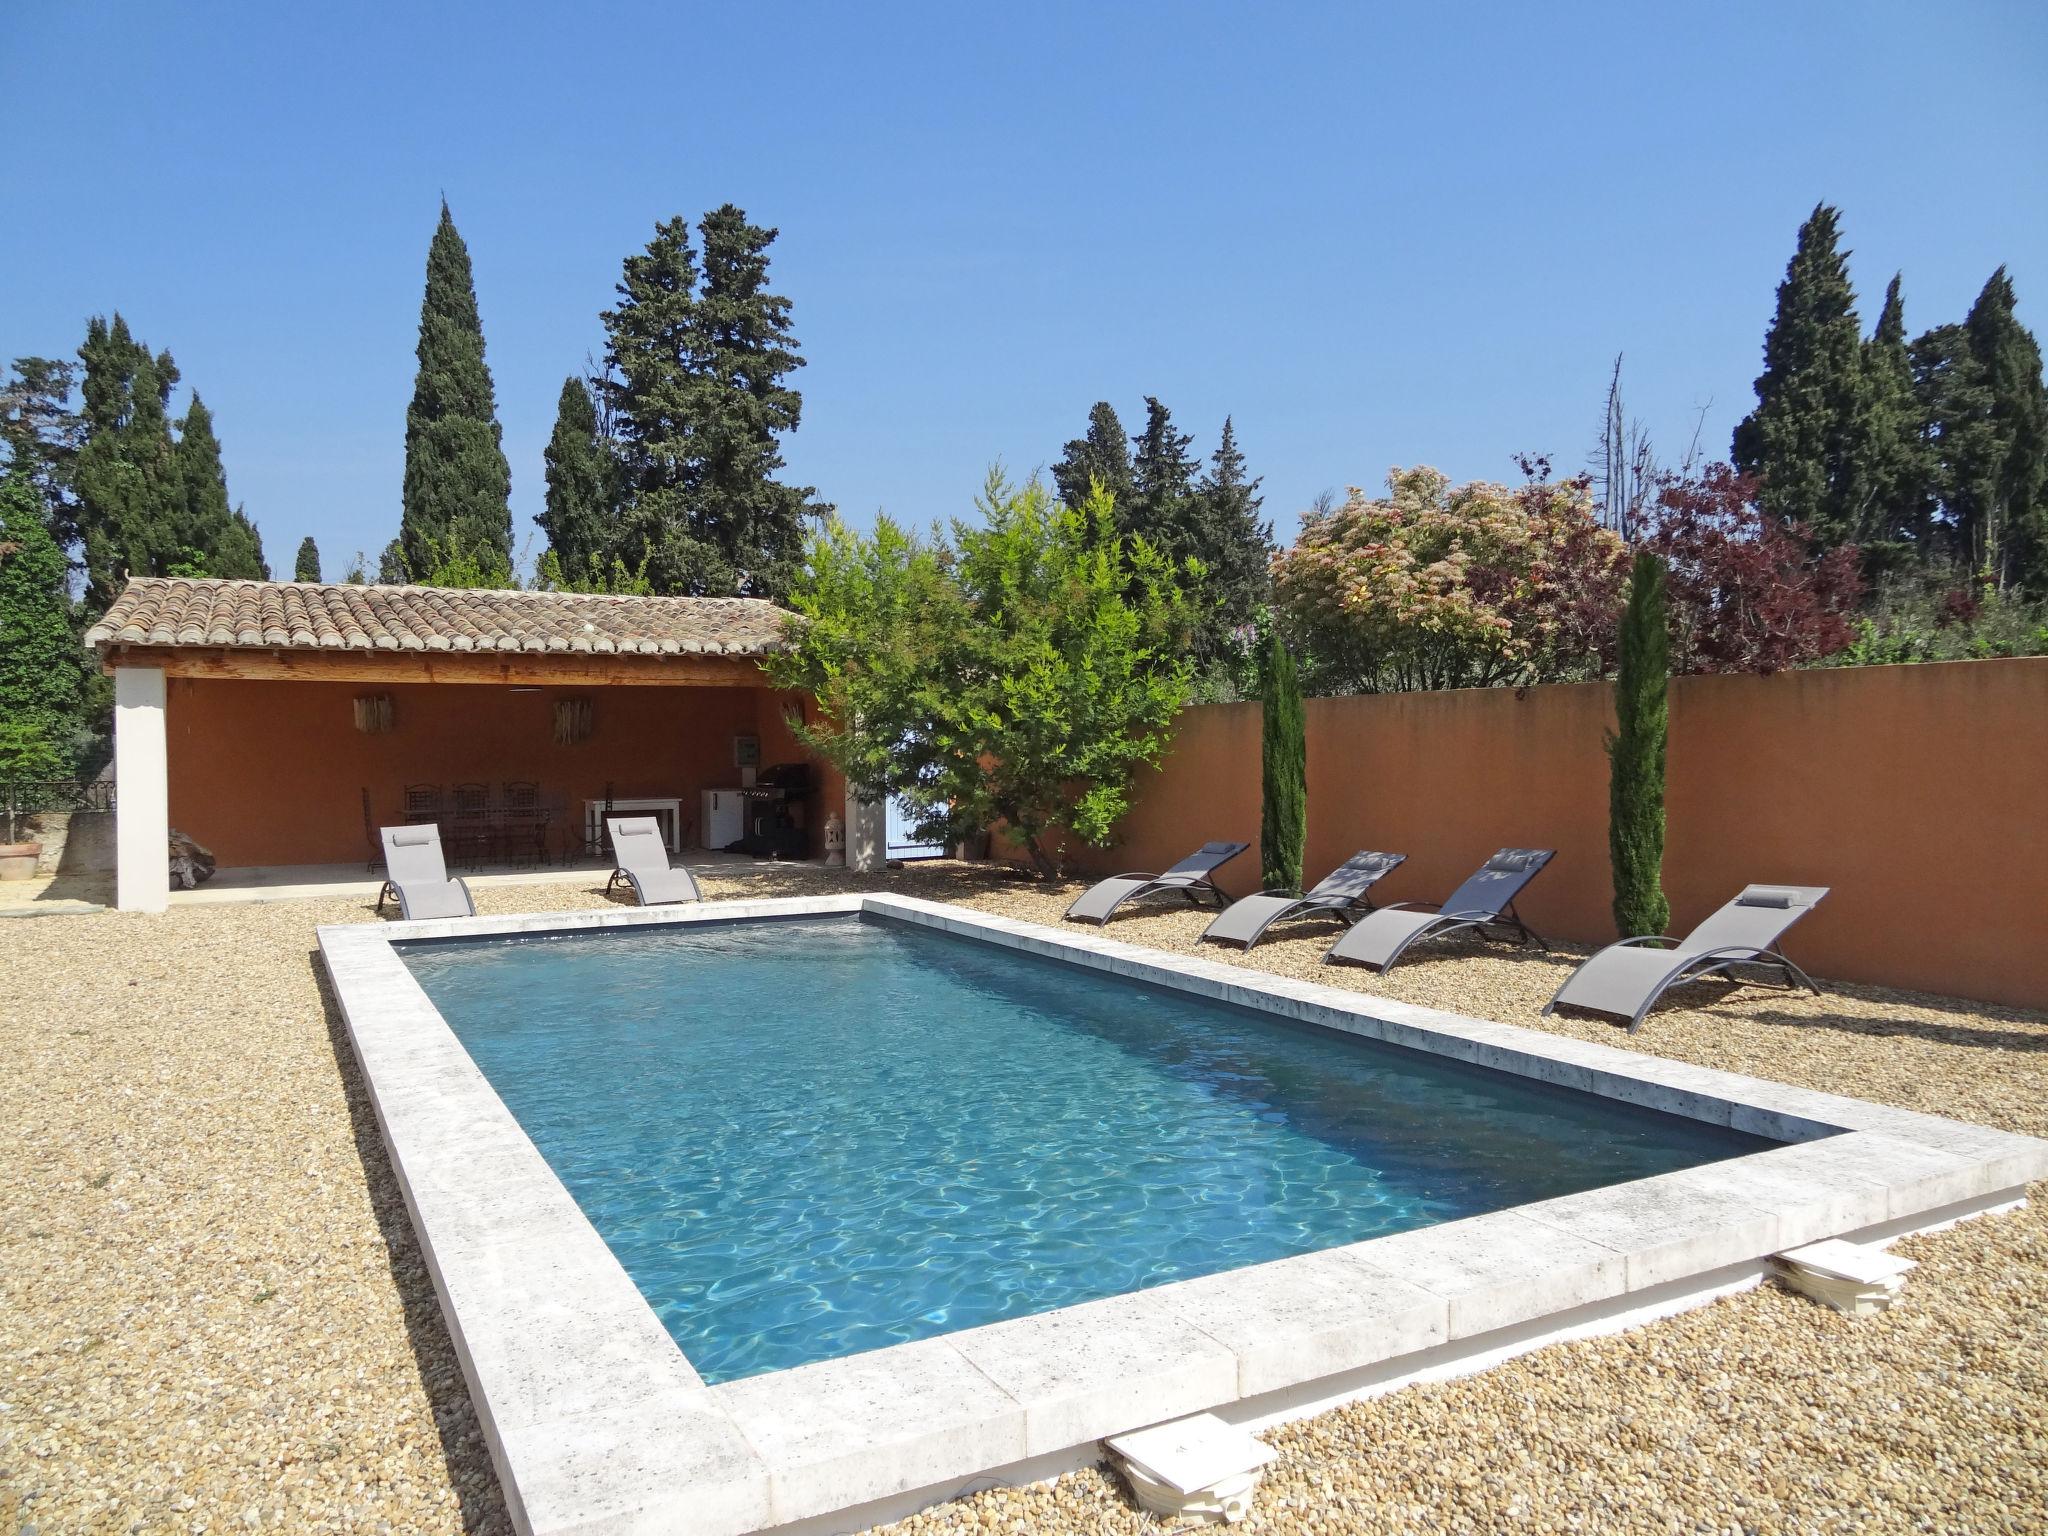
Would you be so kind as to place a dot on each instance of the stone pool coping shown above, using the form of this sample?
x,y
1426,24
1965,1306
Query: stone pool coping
x,y
597,1421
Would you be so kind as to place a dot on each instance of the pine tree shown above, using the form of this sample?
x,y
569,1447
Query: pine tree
x,y
307,566
1894,494
40,663
1283,758
1160,508
1235,548
130,501
580,516
457,483
1102,457
1635,816
1802,438
701,403
42,433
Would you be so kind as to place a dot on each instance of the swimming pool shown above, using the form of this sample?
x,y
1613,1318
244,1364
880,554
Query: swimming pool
x,y
809,1138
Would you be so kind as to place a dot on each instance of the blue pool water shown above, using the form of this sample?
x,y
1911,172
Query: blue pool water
x,y
804,1139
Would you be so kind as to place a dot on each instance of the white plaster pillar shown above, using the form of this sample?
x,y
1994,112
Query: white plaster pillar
x,y
867,833
142,791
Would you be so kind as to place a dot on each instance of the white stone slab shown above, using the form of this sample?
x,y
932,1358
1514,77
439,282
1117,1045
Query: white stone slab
x,y
1086,1371
1193,1453
841,1432
1497,1270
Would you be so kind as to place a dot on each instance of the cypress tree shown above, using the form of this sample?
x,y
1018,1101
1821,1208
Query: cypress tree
x,y
41,667
130,501
1101,457
1894,489
2004,483
391,569
457,484
307,566
578,519
749,349
1635,752
1160,508
701,402
1283,761
1802,438
211,537
1235,548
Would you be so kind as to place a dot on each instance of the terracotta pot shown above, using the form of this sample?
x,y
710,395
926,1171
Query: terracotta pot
x,y
18,860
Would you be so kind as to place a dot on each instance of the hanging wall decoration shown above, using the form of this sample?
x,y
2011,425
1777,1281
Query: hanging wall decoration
x,y
572,721
373,713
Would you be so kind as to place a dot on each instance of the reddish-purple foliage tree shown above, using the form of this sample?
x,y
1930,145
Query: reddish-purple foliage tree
x,y
1748,593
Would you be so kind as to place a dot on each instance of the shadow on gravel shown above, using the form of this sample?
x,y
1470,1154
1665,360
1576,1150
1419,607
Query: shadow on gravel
x,y
463,1452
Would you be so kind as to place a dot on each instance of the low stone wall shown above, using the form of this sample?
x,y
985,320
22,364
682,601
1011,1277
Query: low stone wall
x,y
75,843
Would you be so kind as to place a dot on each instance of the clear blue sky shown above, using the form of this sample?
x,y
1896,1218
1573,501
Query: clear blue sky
x,y
1375,237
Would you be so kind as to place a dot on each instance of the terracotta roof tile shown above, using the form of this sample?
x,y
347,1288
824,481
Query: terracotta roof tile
x,y
172,610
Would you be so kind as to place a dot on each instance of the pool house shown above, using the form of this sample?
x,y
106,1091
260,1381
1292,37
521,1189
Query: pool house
x,y
280,723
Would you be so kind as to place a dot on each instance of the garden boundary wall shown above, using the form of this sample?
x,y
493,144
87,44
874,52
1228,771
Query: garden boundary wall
x,y
1918,793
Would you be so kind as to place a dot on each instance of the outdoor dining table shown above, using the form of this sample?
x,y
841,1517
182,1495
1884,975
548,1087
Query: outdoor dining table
x,y
474,836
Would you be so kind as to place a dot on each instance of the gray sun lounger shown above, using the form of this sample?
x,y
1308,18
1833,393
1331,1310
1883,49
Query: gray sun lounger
x,y
1192,877
1626,979
642,862
1345,893
416,872
1486,901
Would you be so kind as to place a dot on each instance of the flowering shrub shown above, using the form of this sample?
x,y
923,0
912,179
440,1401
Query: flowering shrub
x,y
1435,586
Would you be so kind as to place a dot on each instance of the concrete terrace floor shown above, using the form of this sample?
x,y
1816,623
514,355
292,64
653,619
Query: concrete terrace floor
x,y
213,1314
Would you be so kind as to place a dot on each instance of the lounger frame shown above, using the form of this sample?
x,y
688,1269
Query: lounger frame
x,y
1507,919
1198,886
1347,909
1699,965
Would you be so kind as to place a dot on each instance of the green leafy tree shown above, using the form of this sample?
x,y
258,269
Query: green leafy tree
x,y
1102,457
307,566
1017,672
1635,754
40,668
701,362
1283,758
42,434
580,519
227,543
1806,437
130,500
457,483
357,574
391,566
1235,550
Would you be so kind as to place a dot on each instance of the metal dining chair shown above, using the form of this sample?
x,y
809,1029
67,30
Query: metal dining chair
x,y
596,844
525,821
422,802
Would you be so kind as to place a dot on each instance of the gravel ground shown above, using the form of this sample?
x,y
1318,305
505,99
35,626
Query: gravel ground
x,y
213,1314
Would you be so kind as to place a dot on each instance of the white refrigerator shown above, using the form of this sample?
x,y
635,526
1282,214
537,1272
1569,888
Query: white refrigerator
x,y
725,818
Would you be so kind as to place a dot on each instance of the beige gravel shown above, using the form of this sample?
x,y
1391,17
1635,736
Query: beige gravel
x,y
213,1315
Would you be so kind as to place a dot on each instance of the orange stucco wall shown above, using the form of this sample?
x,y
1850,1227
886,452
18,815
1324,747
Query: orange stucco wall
x,y
272,772
1914,792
